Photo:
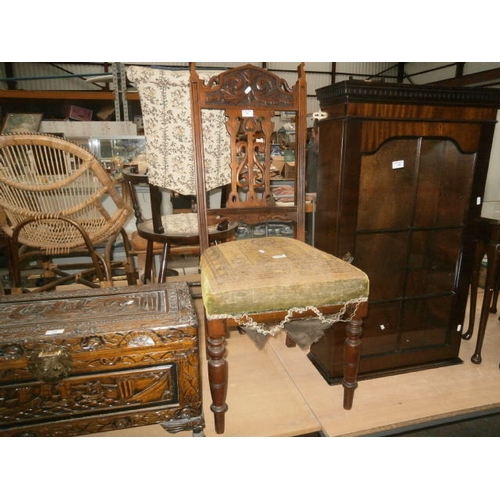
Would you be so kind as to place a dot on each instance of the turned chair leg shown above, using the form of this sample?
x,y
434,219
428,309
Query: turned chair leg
x,y
148,269
162,275
352,357
215,332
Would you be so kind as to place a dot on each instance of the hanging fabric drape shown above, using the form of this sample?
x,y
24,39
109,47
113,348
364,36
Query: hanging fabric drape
x,y
166,108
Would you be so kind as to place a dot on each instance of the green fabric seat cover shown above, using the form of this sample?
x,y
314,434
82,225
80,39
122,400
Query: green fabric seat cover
x,y
275,274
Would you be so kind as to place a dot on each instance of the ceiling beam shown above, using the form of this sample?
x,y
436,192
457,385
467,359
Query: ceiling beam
x,y
401,72
481,77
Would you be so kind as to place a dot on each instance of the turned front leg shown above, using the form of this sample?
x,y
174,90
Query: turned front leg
x,y
217,370
352,357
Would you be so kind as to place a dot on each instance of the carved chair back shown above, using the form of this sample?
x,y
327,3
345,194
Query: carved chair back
x,y
254,102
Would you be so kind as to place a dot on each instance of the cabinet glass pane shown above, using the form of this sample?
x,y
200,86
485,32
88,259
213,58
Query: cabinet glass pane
x,y
425,322
387,186
384,258
380,328
433,259
444,183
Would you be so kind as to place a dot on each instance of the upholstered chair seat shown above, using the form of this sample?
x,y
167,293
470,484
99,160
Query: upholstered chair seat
x,y
264,275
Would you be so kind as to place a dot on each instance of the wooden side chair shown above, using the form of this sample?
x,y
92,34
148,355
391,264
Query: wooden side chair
x,y
272,283
51,194
175,233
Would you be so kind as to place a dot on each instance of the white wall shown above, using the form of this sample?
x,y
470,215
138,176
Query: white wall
x,y
491,200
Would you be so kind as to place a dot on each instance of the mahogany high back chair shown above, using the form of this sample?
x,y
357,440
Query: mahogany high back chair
x,y
52,193
271,283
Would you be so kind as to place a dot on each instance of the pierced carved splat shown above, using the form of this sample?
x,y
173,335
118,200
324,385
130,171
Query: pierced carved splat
x,y
250,159
255,103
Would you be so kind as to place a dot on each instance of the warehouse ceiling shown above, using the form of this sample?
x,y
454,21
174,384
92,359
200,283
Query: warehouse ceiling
x,y
473,78
98,75
490,78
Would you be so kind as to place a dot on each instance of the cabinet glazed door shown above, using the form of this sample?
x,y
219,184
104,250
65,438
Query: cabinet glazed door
x,y
412,208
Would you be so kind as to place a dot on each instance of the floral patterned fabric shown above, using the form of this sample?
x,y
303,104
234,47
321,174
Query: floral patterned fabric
x,y
166,109
183,224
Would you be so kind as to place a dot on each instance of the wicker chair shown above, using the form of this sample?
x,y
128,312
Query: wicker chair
x,y
51,193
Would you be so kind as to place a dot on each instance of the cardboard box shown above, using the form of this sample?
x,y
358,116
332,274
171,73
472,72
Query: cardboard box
x,y
77,113
88,129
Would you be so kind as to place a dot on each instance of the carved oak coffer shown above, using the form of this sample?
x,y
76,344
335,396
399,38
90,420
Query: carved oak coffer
x,y
97,360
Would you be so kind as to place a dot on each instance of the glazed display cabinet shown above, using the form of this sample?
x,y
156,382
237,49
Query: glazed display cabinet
x,y
401,181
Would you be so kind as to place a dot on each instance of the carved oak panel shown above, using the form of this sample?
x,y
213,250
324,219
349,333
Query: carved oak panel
x,y
95,360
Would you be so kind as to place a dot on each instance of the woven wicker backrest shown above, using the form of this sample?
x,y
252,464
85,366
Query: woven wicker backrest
x,y
44,178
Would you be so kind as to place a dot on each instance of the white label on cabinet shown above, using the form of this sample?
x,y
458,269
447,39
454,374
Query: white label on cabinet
x,y
459,328
478,200
55,332
247,112
398,164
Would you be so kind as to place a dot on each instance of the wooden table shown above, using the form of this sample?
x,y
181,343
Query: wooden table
x,y
488,243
